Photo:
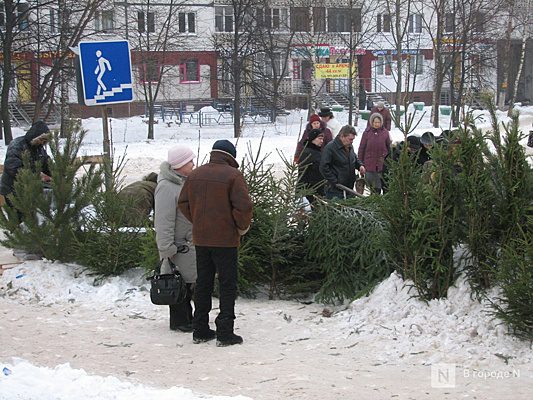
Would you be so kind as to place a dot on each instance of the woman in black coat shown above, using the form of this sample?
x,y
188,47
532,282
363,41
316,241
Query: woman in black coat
x,y
309,174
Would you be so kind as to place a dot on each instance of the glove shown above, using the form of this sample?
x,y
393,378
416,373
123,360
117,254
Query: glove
x,y
243,231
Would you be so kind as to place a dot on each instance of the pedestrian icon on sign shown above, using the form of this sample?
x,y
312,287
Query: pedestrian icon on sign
x,y
105,68
100,71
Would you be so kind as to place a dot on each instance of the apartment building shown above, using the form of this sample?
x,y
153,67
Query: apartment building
x,y
183,47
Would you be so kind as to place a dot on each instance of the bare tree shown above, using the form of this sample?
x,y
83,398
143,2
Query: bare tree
x,y
522,28
438,23
235,41
271,65
41,31
399,12
15,37
153,28
472,51
361,30
308,21
61,26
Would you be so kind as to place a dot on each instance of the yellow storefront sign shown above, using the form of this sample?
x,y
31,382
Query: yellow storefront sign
x,y
332,71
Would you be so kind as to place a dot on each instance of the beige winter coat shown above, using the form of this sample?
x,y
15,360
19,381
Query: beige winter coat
x,y
172,229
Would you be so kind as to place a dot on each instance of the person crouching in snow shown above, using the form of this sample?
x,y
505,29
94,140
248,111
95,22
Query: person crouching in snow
x,y
139,197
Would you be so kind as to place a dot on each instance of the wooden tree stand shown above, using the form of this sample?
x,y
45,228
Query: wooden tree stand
x,y
8,260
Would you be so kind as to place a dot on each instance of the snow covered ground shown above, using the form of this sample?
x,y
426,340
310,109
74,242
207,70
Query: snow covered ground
x,y
65,334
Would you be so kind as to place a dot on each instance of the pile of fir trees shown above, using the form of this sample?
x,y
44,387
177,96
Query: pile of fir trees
x,y
470,211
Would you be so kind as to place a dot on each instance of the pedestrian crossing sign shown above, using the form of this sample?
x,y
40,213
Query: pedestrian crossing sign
x,y
106,72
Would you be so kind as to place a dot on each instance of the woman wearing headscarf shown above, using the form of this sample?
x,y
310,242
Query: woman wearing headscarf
x,y
374,147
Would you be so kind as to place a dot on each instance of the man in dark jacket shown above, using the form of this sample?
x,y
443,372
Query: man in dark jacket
x,y
215,199
33,142
339,162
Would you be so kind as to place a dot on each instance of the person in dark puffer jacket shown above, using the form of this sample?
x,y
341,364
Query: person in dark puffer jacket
x,y
33,142
314,123
309,174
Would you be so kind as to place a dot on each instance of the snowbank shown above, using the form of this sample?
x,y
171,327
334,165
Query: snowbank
x,y
457,329
24,381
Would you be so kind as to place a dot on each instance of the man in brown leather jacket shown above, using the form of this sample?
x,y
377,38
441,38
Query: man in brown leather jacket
x,y
215,199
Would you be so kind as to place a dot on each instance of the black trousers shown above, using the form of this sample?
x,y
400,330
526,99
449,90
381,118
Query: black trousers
x,y
210,260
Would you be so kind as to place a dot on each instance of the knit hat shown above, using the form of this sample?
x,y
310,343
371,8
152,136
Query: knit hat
x,y
380,104
314,118
225,146
413,142
325,112
314,134
427,138
178,156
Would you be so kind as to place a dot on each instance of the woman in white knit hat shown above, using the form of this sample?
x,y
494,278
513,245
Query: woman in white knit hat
x,y
174,232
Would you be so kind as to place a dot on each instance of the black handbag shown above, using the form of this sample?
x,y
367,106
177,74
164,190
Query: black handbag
x,y
167,289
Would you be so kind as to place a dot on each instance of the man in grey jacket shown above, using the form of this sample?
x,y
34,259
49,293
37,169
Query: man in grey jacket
x,y
174,232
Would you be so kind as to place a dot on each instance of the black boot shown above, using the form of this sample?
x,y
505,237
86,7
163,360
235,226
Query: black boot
x,y
178,318
225,335
228,340
203,336
181,314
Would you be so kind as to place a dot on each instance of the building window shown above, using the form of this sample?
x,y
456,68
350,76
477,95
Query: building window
x,y
344,19
296,72
416,64
190,71
300,19
150,71
479,22
104,20
187,22
449,22
224,19
383,23
23,16
273,18
415,23
319,19
272,68
145,22
383,65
